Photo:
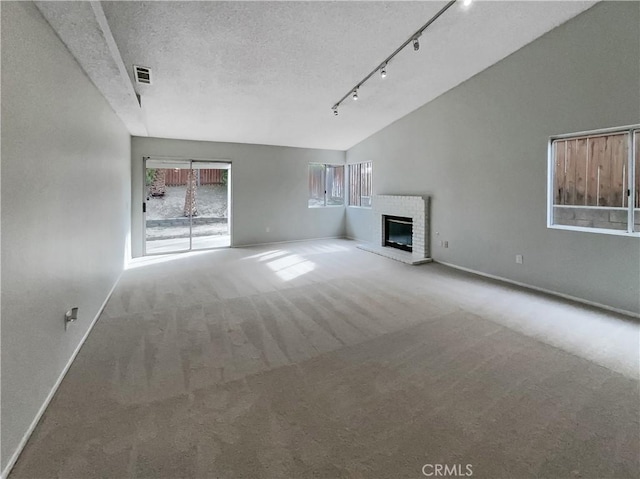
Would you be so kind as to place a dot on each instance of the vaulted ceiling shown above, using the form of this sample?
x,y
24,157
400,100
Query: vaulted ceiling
x,y
268,72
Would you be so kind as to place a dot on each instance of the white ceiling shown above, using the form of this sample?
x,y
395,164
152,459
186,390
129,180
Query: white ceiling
x,y
268,72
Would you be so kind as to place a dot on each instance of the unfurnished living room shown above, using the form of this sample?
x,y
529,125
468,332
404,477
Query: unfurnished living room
x,y
323,239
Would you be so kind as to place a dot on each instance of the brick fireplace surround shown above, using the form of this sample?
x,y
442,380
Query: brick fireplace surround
x,y
414,207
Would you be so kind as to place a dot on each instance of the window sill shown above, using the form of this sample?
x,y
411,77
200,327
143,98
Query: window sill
x,y
635,234
326,206
359,207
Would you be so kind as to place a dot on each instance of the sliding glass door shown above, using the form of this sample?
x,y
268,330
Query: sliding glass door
x,y
167,227
210,218
187,205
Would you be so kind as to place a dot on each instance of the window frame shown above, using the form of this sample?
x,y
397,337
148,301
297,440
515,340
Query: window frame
x,y
348,181
632,131
324,177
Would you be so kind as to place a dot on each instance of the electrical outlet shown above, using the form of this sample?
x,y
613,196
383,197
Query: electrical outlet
x,y
446,244
519,258
268,229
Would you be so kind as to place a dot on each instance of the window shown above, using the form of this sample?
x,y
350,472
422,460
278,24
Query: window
x,y
360,184
326,185
594,181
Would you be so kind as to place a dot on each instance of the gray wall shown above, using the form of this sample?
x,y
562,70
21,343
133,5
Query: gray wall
x,y
65,211
481,151
269,189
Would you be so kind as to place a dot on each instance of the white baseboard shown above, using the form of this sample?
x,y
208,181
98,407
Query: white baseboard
x,y
43,408
289,241
543,290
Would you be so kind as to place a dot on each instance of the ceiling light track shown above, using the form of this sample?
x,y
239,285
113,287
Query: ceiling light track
x,y
382,67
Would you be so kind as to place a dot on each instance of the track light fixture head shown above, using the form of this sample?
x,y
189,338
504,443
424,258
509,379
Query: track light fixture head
x,y
466,3
383,70
416,44
355,94
335,110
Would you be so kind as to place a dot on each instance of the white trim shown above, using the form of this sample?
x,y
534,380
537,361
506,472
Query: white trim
x,y
289,241
187,158
550,190
543,290
591,133
230,201
594,207
631,181
54,389
326,164
585,229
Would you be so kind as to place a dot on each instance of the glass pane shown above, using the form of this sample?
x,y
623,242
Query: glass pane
x,y
211,223
400,232
589,181
365,188
335,185
354,185
636,196
316,185
167,217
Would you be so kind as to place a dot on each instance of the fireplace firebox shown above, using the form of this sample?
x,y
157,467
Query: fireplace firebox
x,y
398,232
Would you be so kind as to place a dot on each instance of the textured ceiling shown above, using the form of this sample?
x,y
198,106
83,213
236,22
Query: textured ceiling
x,y
86,33
269,72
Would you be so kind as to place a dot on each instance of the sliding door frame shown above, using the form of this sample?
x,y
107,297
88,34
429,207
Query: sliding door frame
x,y
190,162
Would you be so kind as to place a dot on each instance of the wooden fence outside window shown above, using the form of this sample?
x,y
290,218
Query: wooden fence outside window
x,y
592,171
206,177
360,184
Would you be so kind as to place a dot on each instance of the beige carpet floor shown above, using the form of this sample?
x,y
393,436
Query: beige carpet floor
x,y
319,360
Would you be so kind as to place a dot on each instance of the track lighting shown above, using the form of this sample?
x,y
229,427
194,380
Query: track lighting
x,y
382,67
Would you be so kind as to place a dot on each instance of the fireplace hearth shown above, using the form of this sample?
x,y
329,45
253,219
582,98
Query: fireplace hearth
x,y
398,232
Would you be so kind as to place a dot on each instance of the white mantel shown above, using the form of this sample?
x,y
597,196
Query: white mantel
x,y
415,207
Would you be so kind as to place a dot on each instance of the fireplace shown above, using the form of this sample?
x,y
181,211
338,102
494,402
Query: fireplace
x,y
398,232
401,228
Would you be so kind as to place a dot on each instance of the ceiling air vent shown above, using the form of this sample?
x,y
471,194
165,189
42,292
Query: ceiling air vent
x,y
142,74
